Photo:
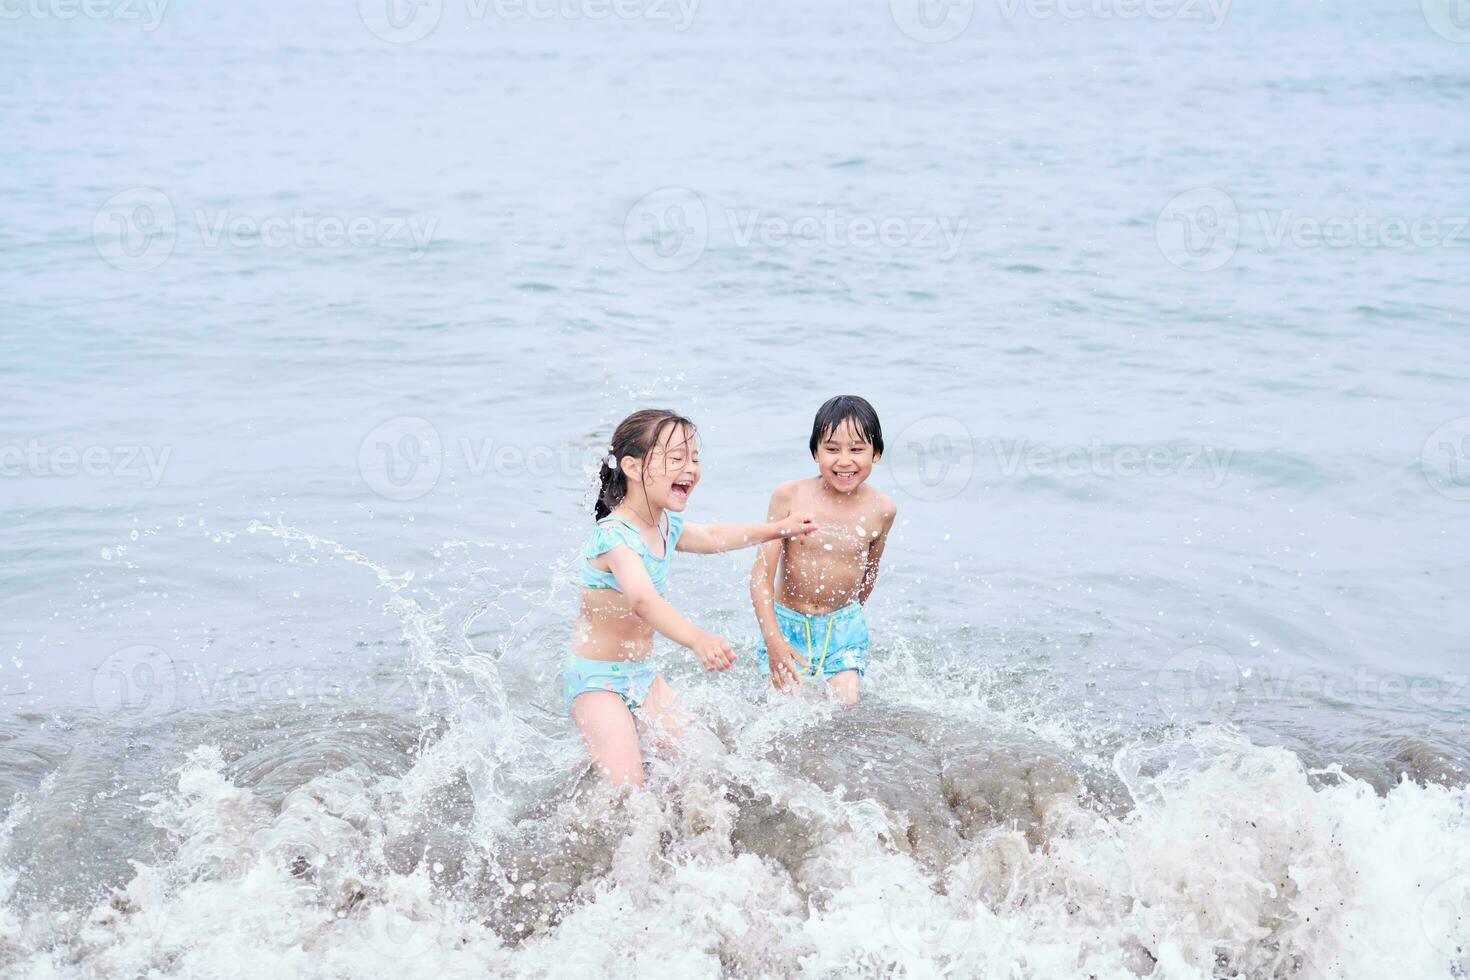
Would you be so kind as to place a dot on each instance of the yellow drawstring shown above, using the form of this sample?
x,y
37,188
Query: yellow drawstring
x,y
816,669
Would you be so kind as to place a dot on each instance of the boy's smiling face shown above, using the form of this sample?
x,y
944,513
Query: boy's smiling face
x,y
845,457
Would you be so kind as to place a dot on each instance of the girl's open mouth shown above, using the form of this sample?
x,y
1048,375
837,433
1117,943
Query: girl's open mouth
x,y
681,490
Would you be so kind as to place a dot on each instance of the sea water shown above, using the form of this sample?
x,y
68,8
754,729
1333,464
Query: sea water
x,y
317,318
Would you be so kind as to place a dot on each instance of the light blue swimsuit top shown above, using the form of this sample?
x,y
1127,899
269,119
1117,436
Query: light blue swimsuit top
x,y
613,531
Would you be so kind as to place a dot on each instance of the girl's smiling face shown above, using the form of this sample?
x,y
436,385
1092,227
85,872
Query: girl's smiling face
x,y
671,470
845,457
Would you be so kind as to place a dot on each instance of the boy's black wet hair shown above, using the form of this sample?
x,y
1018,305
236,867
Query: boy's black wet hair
x,y
835,411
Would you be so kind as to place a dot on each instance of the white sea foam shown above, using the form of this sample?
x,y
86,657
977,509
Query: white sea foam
x,y
1232,861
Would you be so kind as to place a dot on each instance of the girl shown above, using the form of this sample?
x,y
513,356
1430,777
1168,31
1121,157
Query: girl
x,y
646,482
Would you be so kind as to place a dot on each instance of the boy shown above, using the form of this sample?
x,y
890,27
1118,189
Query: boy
x,y
826,577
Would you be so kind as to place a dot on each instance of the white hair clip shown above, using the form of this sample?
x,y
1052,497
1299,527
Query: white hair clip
x,y
610,461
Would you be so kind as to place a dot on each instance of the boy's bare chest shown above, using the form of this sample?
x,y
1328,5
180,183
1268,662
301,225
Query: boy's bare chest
x,y
842,535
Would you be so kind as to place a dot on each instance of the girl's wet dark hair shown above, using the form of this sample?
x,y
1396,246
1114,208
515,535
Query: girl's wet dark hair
x,y
636,436
835,411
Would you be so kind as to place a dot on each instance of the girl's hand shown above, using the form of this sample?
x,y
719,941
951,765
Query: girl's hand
x,y
783,658
713,651
801,522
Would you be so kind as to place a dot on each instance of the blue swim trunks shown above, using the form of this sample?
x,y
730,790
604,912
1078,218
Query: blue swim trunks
x,y
831,642
629,679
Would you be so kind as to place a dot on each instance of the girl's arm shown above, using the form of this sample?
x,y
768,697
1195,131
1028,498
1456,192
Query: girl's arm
x,y
709,539
633,581
875,554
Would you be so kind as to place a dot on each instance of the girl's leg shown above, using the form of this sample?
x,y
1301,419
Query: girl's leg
x,y
611,737
845,686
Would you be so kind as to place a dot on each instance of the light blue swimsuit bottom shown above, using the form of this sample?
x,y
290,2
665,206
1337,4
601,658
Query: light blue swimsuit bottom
x,y
628,679
831,642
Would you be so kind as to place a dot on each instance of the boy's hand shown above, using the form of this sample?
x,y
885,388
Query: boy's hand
x,y
798,523
713,651
783,658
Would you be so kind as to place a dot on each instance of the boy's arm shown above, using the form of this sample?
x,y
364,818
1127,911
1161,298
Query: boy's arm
x,y
763,583
875,552
709,539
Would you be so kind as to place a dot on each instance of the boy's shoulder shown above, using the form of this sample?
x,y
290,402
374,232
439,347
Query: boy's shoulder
x,y
882,503
789,490
784,498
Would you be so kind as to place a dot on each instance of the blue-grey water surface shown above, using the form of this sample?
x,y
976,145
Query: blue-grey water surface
x,y
311,333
